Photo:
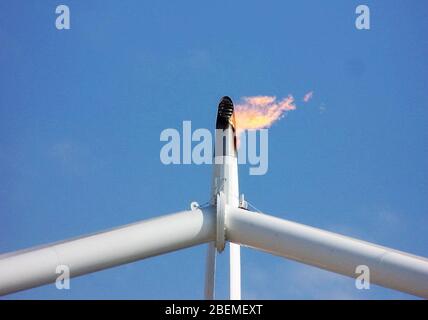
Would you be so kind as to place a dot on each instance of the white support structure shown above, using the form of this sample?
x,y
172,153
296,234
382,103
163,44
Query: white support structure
x,y
210,266
330,251
34,267
222,221
235,271
388,267
225,180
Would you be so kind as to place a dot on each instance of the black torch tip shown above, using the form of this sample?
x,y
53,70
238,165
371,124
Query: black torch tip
x,y
225,111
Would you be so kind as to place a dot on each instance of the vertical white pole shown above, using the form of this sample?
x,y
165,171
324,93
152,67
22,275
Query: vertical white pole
x,y
235,271
232,199
210,272
225,179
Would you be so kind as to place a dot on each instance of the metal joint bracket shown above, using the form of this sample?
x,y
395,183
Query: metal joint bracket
x,y
194,206
220,232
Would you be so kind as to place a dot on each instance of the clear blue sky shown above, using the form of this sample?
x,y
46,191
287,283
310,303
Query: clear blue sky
x,y
81,112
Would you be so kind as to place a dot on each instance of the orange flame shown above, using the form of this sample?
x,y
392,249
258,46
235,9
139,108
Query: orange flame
x,y
308,96
261,112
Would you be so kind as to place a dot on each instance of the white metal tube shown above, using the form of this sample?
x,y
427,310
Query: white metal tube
x,y
388,267
210,271
225,179
34,267
235,271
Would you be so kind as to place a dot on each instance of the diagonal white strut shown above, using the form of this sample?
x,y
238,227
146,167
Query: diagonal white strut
x,y
327,250
37,266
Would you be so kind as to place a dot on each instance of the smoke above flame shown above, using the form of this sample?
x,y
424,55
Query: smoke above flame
x,y
260,112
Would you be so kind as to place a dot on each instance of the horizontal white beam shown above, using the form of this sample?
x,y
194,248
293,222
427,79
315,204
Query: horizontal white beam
x,y
388,267
34,267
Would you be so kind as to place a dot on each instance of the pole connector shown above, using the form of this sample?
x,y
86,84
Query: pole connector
x,y
194,206
242,203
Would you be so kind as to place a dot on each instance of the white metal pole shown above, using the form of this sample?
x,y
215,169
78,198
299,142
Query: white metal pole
x,y
210,271
235,271
34,267
387,267
225,179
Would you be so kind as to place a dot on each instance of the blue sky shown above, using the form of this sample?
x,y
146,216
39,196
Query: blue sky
x,y
81,112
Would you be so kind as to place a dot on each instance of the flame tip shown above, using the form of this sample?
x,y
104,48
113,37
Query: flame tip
x,y
261,111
